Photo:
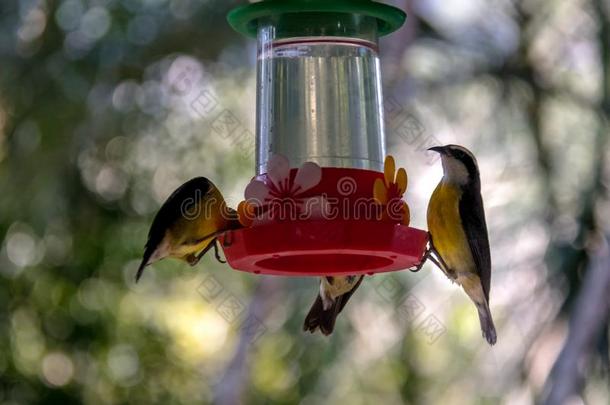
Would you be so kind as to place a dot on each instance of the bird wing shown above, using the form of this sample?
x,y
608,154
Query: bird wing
x,y
473,221
172,209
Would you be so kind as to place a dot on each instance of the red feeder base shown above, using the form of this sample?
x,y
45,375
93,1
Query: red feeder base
x,y
318,248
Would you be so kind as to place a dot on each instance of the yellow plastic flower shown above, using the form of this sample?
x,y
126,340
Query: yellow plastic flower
x,y
389,191
246,213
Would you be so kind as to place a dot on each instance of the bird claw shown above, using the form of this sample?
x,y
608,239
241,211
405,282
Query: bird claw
x,y
432,255
192,260
418,267
421,263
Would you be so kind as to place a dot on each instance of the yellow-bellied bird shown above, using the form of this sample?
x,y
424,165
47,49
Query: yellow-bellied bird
x,y
334,294
458,232
188,223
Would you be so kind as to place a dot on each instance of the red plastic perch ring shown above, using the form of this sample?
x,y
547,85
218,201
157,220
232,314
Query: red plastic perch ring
x,y
318,248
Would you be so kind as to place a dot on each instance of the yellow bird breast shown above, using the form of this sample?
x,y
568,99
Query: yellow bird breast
x,y
447,232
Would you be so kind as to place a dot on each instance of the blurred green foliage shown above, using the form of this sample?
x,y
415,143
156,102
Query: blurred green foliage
x,y
107,105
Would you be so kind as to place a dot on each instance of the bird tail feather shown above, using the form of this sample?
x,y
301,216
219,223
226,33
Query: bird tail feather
x,y
148,252
320,318
487,324
325,319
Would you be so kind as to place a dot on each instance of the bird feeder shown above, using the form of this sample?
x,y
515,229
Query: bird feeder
x,y
322,202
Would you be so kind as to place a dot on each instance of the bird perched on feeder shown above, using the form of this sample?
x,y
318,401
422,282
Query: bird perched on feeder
x,y
334,294
188,223
458,232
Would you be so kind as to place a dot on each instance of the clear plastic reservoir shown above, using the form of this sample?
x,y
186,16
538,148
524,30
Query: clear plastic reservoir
x,y
319,96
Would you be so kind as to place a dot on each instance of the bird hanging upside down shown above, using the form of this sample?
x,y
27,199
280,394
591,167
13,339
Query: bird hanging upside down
x,y
188,223
334,294
458,232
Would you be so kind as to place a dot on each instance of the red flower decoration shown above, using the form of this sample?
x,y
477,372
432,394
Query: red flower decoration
x,y
279,197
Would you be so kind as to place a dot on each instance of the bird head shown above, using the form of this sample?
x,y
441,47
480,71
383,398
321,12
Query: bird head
x,y
459,164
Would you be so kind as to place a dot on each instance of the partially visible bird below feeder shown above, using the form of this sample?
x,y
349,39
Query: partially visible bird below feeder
x,y
458,232
188,223
334,294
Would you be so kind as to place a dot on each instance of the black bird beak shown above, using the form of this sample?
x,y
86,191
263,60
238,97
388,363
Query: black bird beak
x,y
439,149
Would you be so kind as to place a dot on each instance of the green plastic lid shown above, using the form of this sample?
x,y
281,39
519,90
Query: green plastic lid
x,y
244,19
